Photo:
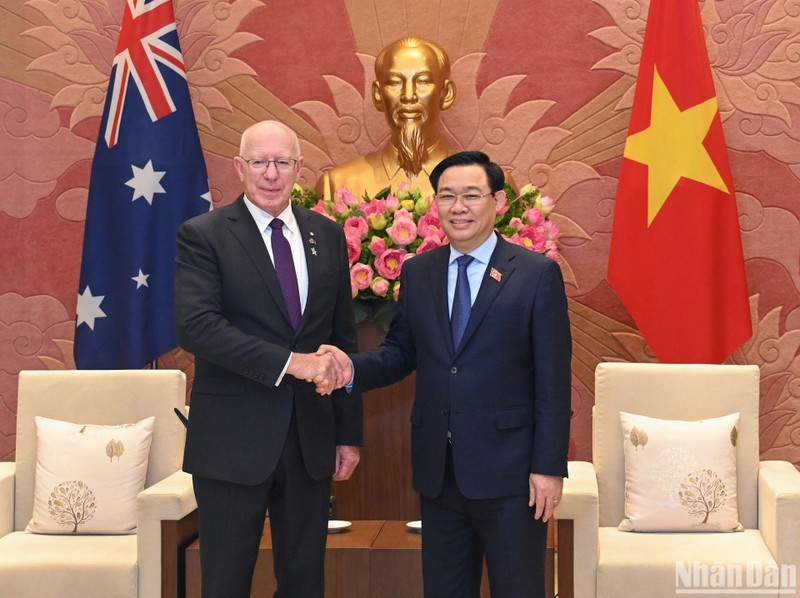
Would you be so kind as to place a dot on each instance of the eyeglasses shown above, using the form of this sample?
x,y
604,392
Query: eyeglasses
x,y
260,165
469,199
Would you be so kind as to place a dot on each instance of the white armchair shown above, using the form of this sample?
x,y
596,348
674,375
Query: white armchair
x,y
121,566
609,563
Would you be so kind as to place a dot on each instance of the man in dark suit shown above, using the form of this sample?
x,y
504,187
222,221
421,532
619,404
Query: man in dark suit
x,y
260,284
484,323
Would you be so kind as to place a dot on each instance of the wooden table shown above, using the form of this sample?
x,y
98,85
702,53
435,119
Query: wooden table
x,y
347,563
371,559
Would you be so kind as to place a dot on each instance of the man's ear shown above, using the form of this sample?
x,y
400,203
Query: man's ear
x,y
449,95
240,166
500,199
377,96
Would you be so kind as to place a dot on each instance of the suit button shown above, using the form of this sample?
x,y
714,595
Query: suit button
x,y
453,369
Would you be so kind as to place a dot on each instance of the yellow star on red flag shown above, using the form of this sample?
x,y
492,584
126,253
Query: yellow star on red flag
x,y
672,146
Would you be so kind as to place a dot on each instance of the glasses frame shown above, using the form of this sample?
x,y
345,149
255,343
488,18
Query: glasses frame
x,y
462,196
274,162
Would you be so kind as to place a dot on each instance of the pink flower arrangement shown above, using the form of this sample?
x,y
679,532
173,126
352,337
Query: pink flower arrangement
x,y
383,232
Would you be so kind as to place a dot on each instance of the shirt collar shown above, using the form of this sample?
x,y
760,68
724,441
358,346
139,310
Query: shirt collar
x,y
482,252
263,218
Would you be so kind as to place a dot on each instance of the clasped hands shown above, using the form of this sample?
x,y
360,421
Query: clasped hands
x,y
329,368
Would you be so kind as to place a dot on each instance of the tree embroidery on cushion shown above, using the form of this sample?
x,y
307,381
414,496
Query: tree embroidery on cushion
x,y
114,448
734,435
638,438
702,493
72,503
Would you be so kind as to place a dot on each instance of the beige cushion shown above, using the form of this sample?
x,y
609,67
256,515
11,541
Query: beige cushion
x,y
680,475
644,565
56,567
88,476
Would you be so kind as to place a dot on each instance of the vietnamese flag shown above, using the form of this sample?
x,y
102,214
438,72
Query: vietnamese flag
x,y
676,251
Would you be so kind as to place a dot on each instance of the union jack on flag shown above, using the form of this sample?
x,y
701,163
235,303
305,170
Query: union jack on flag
x,y
148,176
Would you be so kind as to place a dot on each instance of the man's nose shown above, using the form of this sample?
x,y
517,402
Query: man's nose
x,y
409,93
271,172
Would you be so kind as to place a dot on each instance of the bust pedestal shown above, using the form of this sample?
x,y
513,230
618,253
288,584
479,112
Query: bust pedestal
x,y
381,485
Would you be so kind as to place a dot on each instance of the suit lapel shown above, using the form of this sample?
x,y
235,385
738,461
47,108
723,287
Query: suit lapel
x,y
439,290
311,243
245,230
501,263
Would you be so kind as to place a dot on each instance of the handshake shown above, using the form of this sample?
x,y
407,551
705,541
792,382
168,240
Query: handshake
x,y
329,368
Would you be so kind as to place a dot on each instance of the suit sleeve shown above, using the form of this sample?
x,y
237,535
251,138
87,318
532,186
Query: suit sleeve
x,y
552,356
203,329
347,407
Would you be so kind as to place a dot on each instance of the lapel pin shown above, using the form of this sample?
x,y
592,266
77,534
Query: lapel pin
x,y
495,273
313,251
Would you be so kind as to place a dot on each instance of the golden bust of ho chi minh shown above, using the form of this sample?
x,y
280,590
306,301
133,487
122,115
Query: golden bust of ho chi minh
x,y
412,87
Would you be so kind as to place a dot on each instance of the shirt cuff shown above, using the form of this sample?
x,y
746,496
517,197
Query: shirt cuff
x,y
349,386
283,371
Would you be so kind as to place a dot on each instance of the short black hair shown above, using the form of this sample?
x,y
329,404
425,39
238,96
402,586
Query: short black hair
x,y
494,174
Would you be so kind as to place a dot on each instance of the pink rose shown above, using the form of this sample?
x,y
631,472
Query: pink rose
x,y
321,208
380,286
515,223
377,246
534,217
340,207
376,206
502,210
353,288
532,237
345,196
353,250
431,242
551,230
403,214
513,239
428,226
392,203
402,232
396,290
361,276
389,263
356,227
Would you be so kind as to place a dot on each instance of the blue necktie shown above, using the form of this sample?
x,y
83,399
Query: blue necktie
x,y
284,268
462,301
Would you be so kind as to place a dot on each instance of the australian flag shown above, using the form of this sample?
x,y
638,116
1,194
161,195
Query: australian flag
x,y
148,176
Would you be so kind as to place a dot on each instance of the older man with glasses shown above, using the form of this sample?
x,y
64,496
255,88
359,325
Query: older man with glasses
x,y
260,284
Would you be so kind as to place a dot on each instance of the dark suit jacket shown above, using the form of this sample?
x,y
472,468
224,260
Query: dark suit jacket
x,y
231,316
505,392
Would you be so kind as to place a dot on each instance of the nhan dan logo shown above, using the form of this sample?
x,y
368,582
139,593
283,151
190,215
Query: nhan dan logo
x,y
752,577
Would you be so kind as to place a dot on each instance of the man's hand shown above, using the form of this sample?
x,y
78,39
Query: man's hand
x,y
344,365
545,494
347,457
319,369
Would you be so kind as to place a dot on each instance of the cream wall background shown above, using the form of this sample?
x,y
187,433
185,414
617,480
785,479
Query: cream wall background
x,y
544,87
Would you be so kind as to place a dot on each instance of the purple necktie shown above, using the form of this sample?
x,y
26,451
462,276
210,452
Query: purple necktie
x,y
462,301
284,268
